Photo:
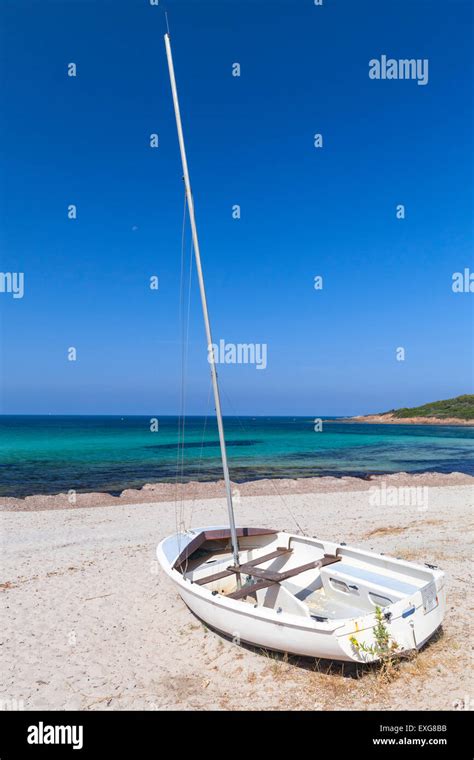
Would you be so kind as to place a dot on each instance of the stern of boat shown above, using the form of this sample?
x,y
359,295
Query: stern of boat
x,y
409,623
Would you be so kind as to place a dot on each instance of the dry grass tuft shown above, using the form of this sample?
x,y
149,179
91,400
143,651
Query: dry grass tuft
x,y
384,531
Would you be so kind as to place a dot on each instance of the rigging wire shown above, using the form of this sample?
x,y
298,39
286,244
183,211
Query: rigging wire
x,y
185,311
181,330
277,492
201,451
193,494
185,369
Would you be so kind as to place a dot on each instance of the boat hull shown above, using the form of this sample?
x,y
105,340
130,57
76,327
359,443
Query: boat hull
x,y
410,626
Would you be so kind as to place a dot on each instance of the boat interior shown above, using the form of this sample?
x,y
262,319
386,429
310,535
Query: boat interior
x,y
298,575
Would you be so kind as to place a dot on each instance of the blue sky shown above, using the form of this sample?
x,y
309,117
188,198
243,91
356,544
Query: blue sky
x,y
304,211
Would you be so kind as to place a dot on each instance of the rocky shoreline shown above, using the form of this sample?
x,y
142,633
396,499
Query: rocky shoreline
x,y
390,419
172,492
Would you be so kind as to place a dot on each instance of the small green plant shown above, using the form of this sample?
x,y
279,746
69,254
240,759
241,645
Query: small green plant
x,y
384,647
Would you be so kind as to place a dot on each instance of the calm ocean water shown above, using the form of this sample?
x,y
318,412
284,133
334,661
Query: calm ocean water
x,y
52,454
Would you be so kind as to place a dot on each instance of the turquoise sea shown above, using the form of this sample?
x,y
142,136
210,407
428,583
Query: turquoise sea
x,y
49,454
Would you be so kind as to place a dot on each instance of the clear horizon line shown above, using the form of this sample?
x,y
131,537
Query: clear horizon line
x,y
175,414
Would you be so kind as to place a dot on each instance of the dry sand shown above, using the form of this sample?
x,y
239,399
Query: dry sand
x,y
89,620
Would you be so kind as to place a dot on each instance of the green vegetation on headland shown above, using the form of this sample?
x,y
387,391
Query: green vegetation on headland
x,y
460,407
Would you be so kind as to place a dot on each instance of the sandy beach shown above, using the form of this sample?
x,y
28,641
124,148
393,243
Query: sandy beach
x,y
90,621
390,419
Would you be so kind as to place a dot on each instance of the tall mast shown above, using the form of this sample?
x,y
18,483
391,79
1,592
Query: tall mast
x,y
202,289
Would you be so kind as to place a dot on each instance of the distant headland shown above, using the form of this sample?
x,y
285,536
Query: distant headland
x,y
451,411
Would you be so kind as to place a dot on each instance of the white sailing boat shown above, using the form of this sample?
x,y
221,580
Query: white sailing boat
x,y
289,592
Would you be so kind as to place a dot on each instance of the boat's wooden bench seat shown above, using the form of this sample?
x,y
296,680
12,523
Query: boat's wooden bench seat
x,y
270,577
266,577
248,568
